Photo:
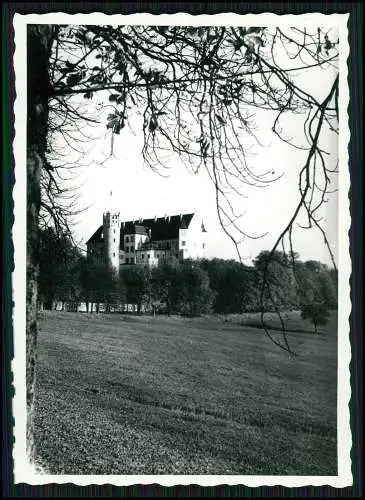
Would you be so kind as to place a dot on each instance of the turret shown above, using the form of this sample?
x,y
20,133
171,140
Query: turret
x,y
111,223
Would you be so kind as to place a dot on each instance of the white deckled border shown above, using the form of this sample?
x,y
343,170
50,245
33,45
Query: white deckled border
x,y
26,472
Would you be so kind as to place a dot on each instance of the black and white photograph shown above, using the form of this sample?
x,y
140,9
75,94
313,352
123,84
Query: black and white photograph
x,y
181,280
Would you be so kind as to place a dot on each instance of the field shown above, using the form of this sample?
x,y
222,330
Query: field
x,y
155,395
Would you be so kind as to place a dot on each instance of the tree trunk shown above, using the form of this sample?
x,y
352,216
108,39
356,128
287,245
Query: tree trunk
x,y
39,44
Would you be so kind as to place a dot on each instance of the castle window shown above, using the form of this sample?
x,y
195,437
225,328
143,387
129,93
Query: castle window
x,y
114,240
114,231
143,256
126,239
183,243
203,245
158,255
148,255
113,254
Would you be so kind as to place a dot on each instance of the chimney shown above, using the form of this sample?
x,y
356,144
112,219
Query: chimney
x,y
155,218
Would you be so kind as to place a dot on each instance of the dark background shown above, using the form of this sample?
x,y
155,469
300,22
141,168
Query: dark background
x,y
356,21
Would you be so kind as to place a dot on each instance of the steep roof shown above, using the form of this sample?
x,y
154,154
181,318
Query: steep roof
x,y
96,237
165,228
162,228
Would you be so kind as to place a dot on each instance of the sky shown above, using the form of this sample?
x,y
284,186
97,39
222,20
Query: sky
x,y
137,191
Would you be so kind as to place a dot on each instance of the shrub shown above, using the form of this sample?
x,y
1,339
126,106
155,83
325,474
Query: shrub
x,y
317,313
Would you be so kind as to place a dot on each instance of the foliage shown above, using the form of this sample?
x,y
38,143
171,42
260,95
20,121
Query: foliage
x,y
196,294
182,286
57,265
185,287
278,281
318,313
234,285
136,283
316,283
99,284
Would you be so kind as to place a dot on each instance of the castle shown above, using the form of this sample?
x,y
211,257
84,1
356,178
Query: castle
x,y
147,241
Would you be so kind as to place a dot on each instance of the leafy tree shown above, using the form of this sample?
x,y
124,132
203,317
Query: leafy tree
x,y
317,313
196,295
183,286
304,284
109,291
136,281
234,284
326,289
166,282
57,263
99,284
278,279
316,283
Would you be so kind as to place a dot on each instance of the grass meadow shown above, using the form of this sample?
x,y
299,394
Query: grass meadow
x,y
122,394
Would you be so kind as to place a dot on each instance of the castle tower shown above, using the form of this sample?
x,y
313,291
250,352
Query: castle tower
x,y
111,223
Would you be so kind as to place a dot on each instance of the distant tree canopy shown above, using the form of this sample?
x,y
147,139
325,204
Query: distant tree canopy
x,y
58,261
277,280
317,313
188,287
234,284
98,284
136,282
183,286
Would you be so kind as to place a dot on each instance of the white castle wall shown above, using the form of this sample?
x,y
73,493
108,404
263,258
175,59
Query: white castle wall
x,y
192,241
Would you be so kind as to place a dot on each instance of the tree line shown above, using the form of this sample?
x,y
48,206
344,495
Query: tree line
x,y
188,287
